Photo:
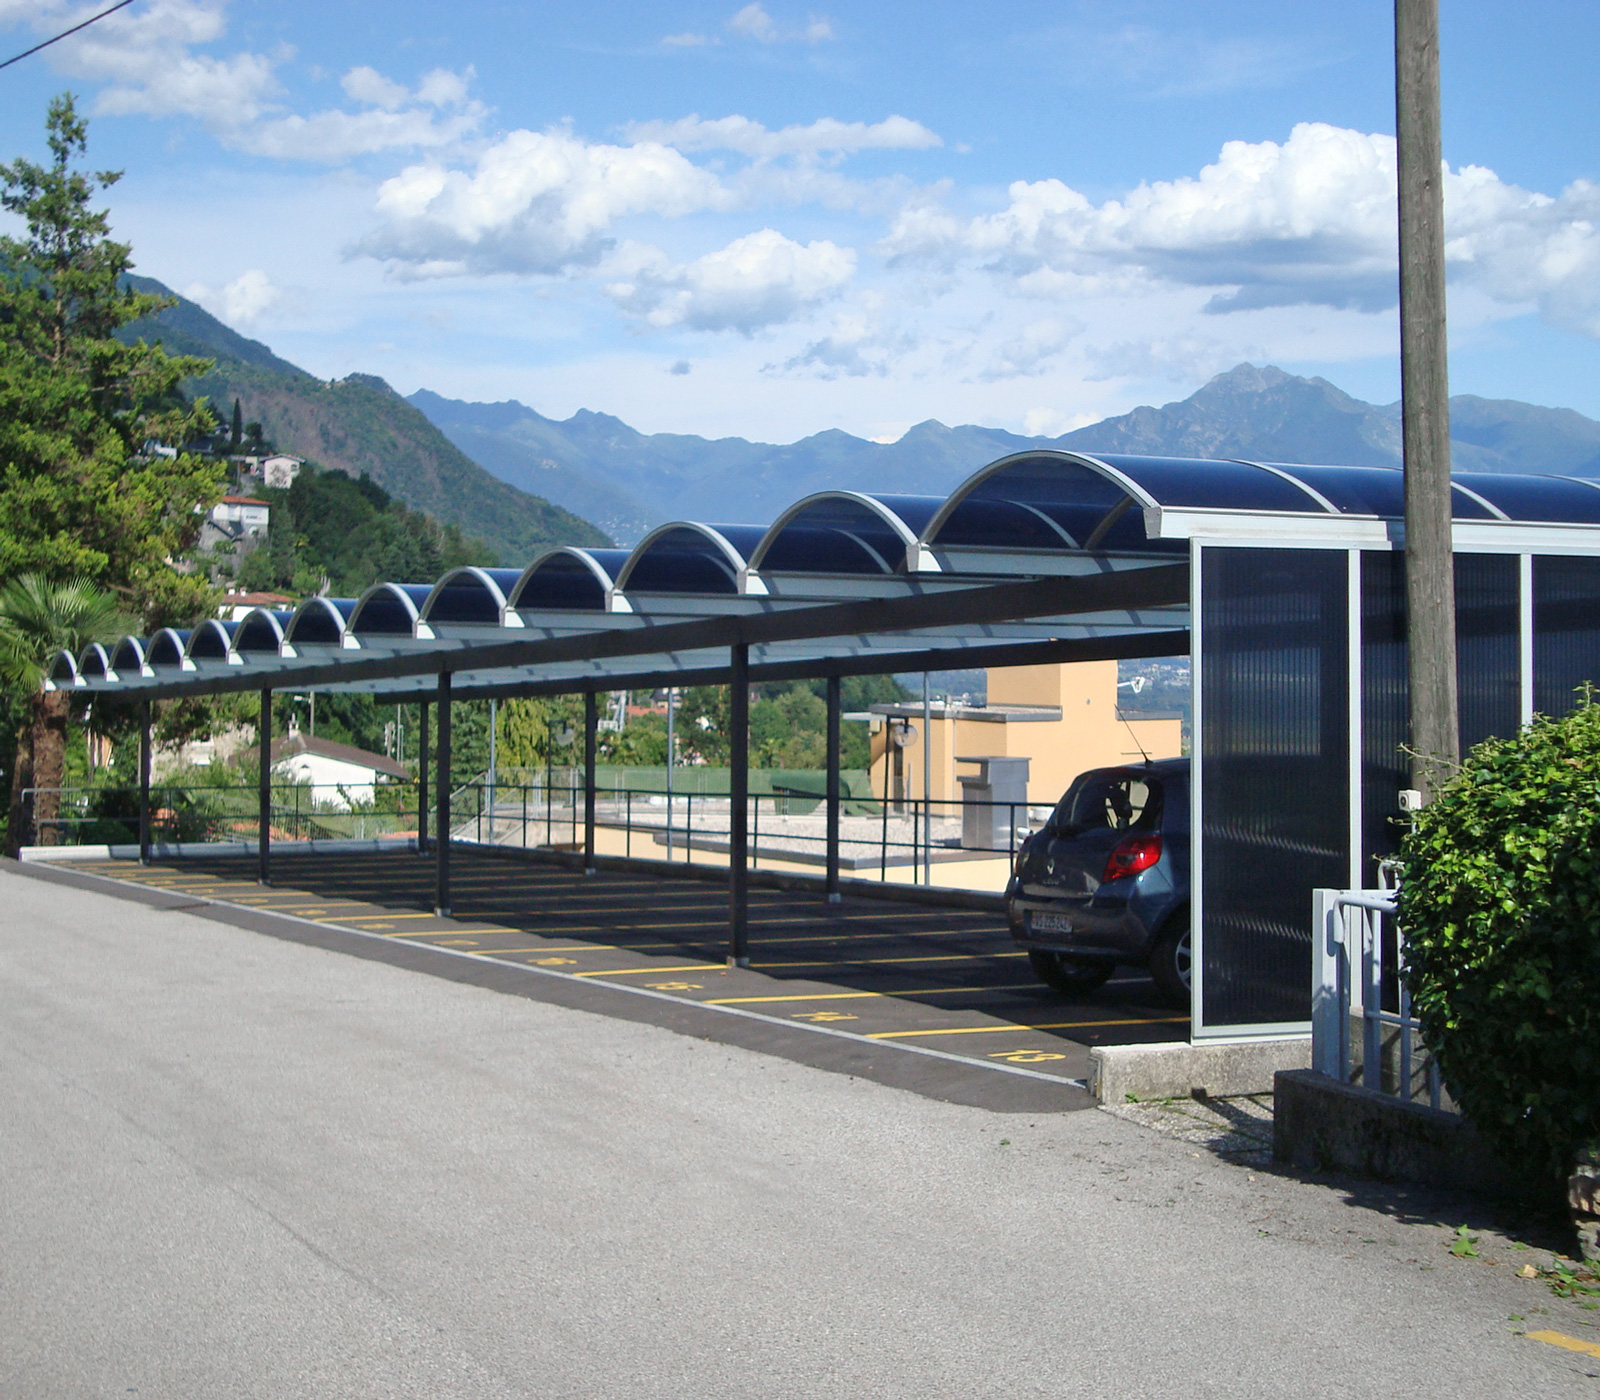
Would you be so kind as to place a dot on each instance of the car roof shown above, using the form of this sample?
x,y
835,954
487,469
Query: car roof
x,y
1160,767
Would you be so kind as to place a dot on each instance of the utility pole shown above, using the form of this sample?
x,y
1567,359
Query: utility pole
x,y
1425,398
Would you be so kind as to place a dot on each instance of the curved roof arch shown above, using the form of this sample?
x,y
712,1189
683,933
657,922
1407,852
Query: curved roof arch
x,y
388,610
1044,501
469,596
166,648
63,670
688,557
212,640
128,658
319,622
94,663
845,532
261,630
568,577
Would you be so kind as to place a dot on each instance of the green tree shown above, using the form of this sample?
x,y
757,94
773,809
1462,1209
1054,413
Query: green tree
x,y
237,435
80,493
38,618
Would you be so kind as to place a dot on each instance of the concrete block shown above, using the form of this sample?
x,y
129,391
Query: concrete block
x,y
1319,1124
1119,1073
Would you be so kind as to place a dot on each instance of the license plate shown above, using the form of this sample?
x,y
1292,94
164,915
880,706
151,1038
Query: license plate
x,y
1049,923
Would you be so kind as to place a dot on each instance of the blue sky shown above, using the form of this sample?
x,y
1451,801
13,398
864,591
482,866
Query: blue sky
x,y
775,218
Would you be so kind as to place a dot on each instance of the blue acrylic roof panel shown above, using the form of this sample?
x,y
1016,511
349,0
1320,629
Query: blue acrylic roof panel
x,y
463,596
842,534
685,560
1039,503
1379,491
1189,482
382,611
1554,499
566,581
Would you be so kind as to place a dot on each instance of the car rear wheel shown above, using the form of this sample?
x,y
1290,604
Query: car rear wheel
x,y
1069,974
1170,962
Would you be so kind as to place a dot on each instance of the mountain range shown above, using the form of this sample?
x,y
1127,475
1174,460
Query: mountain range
x,y
519,481
627,481
359,424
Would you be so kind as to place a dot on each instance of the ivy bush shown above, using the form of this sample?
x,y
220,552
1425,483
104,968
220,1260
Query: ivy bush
x,y
1500,901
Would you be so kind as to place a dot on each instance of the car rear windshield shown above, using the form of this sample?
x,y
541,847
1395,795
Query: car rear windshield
x,y
1110,802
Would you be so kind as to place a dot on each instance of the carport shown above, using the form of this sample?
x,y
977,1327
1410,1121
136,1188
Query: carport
x,y
1283,583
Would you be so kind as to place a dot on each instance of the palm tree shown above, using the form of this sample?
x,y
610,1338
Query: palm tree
x,y
38,618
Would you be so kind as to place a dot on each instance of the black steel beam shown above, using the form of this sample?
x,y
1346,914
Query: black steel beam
x,y
441,782
591,727
835,704
144,783
1159,586
739,808
264,789
422,781
1126,647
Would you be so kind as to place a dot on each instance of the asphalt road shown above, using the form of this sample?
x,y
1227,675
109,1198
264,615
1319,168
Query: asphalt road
x,y
238,1166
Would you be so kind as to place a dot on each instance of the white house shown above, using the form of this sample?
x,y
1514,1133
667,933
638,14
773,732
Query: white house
x,y
280,471
341,776
237,520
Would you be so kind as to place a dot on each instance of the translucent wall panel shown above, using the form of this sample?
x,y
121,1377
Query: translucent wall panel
x,y
1566,630
1488,669
1274,741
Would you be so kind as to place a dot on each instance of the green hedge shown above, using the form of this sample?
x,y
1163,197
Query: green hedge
x,y
1500,902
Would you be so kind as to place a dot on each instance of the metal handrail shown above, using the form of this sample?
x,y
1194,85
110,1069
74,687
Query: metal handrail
x,y
1347,922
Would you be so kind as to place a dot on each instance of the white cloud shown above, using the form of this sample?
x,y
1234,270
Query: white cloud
x,y
151,63
826,136
753,22
1032,349
686,41
244,300
1307,222
535,202
759,280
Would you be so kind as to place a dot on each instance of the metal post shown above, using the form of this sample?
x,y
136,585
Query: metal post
x,y
422,781
834,704
264,789
738,814
672,709
883,836
441,898
494,720
927,784
1425,397
144,782
591,727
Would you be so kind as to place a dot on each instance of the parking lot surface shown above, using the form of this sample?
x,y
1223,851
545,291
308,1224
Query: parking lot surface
x,y
238,1165
889,973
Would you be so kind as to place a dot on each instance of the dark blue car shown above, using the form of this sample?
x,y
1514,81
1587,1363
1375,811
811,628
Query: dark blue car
x,y
1106,881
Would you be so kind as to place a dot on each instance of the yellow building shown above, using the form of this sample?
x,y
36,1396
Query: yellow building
x,y
1063,718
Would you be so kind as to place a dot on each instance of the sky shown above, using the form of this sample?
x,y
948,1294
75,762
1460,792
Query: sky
x,y
772,219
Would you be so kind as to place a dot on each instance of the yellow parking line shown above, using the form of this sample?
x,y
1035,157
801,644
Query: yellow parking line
x,y
1022,1026
875,962
1560,1339
622,971
851,996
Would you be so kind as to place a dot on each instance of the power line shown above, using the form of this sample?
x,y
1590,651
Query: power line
x,y
66,33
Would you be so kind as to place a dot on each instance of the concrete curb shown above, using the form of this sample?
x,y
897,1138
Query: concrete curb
x,y
1136,1073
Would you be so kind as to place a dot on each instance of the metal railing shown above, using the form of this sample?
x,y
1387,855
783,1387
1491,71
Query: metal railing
x,y
784,827
95,815
1358,978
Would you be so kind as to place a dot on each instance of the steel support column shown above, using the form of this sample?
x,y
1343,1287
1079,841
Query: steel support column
x,y
739,808
422,781
834,704
264,789
591,728
441,782
144,783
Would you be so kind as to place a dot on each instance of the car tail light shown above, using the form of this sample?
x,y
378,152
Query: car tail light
x,y
1131,856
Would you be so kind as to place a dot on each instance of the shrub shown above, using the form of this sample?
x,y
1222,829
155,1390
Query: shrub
x,y
1500,902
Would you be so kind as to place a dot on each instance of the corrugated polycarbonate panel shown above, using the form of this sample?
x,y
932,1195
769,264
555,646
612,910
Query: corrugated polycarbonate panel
x,y
1035,503
561,581
1488,652
1274,734
1566,631
1183,481
1379,491
838,535
1385,706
